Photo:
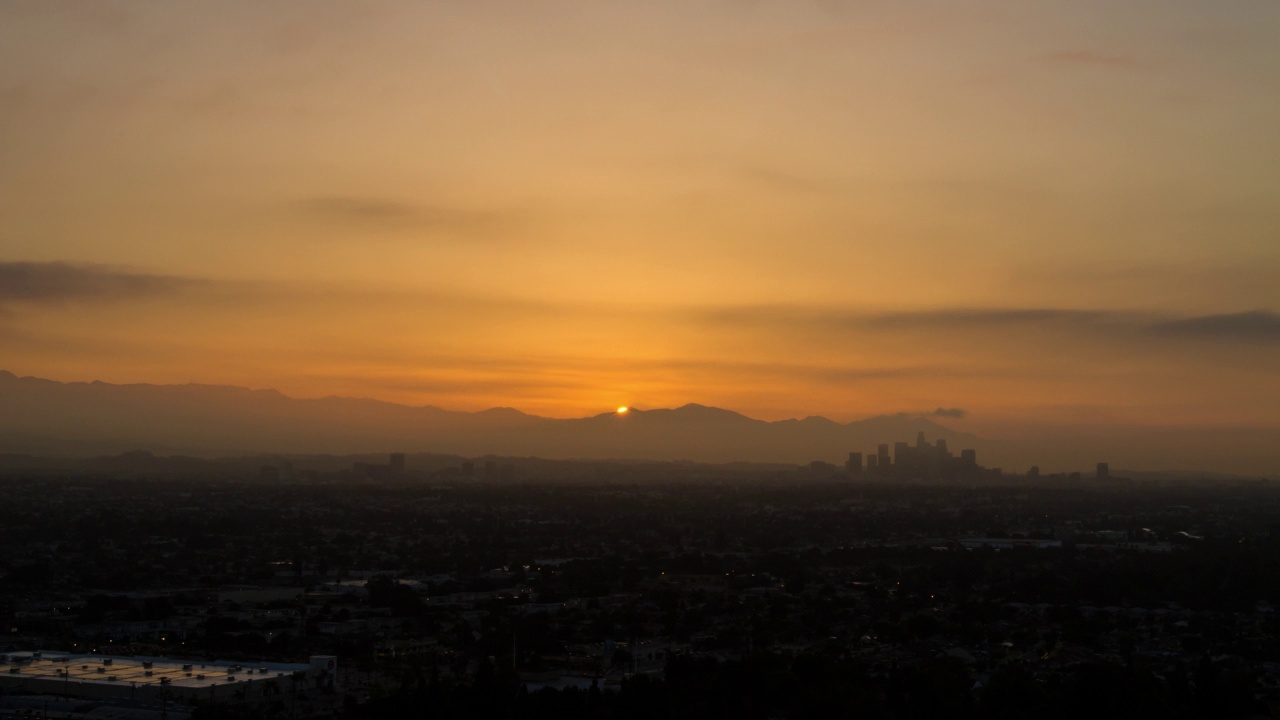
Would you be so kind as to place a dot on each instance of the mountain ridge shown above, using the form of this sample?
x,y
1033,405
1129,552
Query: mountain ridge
x,y
687,408
93,418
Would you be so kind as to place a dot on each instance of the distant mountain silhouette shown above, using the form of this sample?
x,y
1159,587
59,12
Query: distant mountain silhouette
x,y
45,417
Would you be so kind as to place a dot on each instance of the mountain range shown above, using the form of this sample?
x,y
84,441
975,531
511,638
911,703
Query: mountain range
x,y
45,417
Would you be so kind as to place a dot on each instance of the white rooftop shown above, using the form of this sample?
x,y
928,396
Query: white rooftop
x,y
108,669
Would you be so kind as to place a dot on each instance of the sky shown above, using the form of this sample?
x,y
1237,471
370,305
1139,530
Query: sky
x,y
1035,215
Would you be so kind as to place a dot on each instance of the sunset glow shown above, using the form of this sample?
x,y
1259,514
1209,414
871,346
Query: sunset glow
x,y
788,209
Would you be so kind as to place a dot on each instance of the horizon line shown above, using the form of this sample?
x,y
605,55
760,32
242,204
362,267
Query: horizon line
x,y
930,415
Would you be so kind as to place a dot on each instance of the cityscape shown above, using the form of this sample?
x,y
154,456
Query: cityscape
x,y
745,359
915,584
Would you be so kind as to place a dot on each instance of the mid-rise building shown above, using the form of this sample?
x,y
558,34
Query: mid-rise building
x,y
854,464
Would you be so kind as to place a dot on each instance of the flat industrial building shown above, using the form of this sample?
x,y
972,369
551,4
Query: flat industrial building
x,y
154,678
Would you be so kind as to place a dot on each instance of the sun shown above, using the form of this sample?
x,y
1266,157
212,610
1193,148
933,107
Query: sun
x,y
623,410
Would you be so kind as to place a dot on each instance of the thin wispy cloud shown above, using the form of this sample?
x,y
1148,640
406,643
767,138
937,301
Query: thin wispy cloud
x,y
835,318
357,209
1089,57
371,212
997,317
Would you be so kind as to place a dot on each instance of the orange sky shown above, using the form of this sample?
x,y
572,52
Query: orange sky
x,y
1041,213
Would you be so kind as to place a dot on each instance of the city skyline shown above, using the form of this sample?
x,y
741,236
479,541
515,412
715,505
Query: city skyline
x,y
44,418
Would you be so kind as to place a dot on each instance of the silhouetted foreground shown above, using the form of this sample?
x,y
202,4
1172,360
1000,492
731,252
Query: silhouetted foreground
x,y
761,599
821,686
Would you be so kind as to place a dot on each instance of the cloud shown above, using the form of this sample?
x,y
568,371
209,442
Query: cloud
x,y
996,317
387,213
836,318
1088,57
1241,282
954,413
695,369
1032,325
1258,326
358,209
33,283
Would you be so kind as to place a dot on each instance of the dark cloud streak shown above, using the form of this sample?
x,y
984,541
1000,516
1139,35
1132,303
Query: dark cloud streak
x,y
45,283
1257,326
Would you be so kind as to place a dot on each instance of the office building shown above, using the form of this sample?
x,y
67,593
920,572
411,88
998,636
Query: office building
x,y
854,464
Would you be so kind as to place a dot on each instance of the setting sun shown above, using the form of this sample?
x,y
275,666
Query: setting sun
x,y
563,214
